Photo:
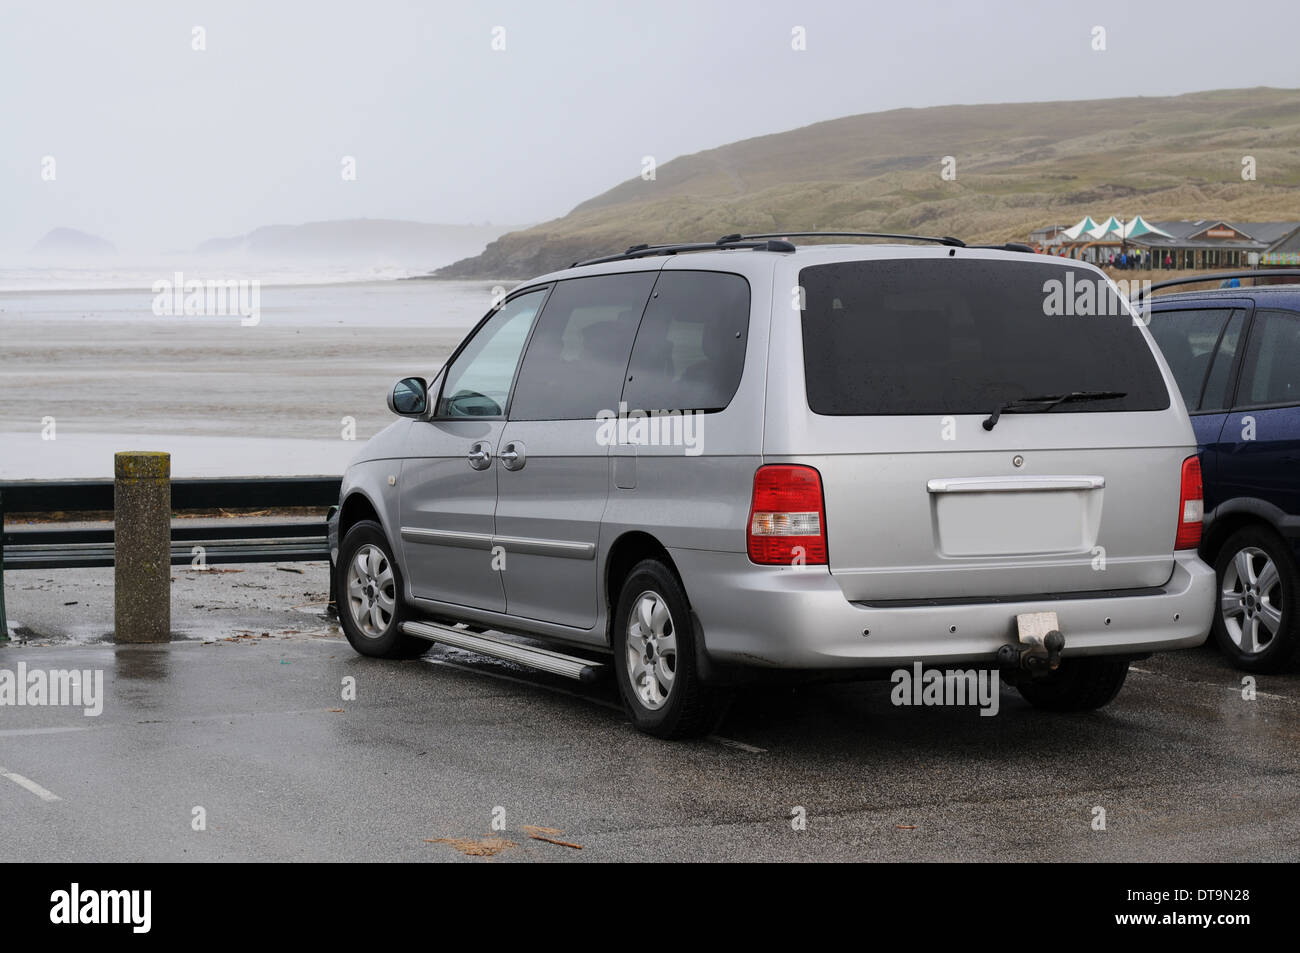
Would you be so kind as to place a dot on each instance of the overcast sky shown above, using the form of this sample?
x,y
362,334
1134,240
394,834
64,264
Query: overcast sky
x,y
158,146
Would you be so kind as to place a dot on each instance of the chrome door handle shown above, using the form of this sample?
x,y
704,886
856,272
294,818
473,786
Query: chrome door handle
x,y
513,456
480,455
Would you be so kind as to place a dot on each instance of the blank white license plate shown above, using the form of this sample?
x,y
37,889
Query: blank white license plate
x,y
1034,626
1004,524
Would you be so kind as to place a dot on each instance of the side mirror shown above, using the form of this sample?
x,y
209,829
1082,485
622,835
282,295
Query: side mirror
x,y
409,397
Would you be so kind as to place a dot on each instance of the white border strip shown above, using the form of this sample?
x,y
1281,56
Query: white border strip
x,y
30,785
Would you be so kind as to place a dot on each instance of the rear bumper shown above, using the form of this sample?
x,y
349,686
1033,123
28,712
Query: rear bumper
x,y
780,617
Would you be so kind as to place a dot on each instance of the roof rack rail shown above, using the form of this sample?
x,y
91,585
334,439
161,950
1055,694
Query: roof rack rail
x,y
1008,246
1220,276
945,240
726,242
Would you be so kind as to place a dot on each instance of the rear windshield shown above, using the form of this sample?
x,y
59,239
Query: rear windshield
x,y
947,336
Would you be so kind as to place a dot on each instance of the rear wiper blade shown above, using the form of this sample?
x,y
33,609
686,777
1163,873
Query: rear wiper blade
x,y
1045,402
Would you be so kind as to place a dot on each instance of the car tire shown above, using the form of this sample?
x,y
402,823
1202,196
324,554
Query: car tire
x,y
1257,575
654,643
368,584
1085,683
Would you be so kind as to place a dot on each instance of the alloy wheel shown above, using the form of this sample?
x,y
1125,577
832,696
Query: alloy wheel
x,y
651,650
372,591
1251,600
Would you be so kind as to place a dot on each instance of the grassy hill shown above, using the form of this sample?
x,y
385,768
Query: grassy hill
x,y
1019,166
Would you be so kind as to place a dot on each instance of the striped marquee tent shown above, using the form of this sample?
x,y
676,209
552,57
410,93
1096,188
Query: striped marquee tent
x,y
1138,227
1080,229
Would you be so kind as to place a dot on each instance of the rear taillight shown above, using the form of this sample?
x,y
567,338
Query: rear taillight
x,y
1191,506
787,521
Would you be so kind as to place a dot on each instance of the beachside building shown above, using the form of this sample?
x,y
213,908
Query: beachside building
x,y
1207,243
1283,252
1047,235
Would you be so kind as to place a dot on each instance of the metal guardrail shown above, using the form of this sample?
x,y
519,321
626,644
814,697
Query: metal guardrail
x,y
234,540
82,496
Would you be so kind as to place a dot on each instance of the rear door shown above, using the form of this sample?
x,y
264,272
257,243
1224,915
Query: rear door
x,y
554,476
906,359
1259,448
1201,346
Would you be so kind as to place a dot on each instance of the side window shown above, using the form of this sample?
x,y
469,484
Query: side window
x,y
577,356
1217,394
1271,371
478,380
690,349
1188,340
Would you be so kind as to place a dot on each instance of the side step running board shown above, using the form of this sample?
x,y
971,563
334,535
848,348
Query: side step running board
x,y
569,666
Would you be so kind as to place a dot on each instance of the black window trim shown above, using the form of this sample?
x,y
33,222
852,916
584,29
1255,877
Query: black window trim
x,y
749,321
1222,304
546,288
523,356
1241,364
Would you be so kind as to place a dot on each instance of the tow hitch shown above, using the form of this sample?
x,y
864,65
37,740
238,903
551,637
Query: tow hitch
x,y
1038,652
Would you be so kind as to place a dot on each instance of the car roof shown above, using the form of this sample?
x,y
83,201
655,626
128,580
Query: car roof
x,y
1284,296
752,262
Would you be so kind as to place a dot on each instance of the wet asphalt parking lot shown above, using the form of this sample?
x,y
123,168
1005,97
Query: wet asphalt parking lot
x,y
458,758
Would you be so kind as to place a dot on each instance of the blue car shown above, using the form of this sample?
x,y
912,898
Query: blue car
x,y
1235,352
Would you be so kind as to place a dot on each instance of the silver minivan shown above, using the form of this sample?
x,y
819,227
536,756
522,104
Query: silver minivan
x,y
693,464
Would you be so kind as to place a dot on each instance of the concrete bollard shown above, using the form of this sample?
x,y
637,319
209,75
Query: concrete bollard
x,y
142,503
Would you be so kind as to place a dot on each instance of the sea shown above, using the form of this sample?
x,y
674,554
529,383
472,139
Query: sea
x,y
95,360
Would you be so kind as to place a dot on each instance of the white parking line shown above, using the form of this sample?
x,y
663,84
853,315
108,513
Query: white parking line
x,y
30,785
18,732
1235,689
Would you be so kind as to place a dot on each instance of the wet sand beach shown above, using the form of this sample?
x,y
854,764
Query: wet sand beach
x,y
227,399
